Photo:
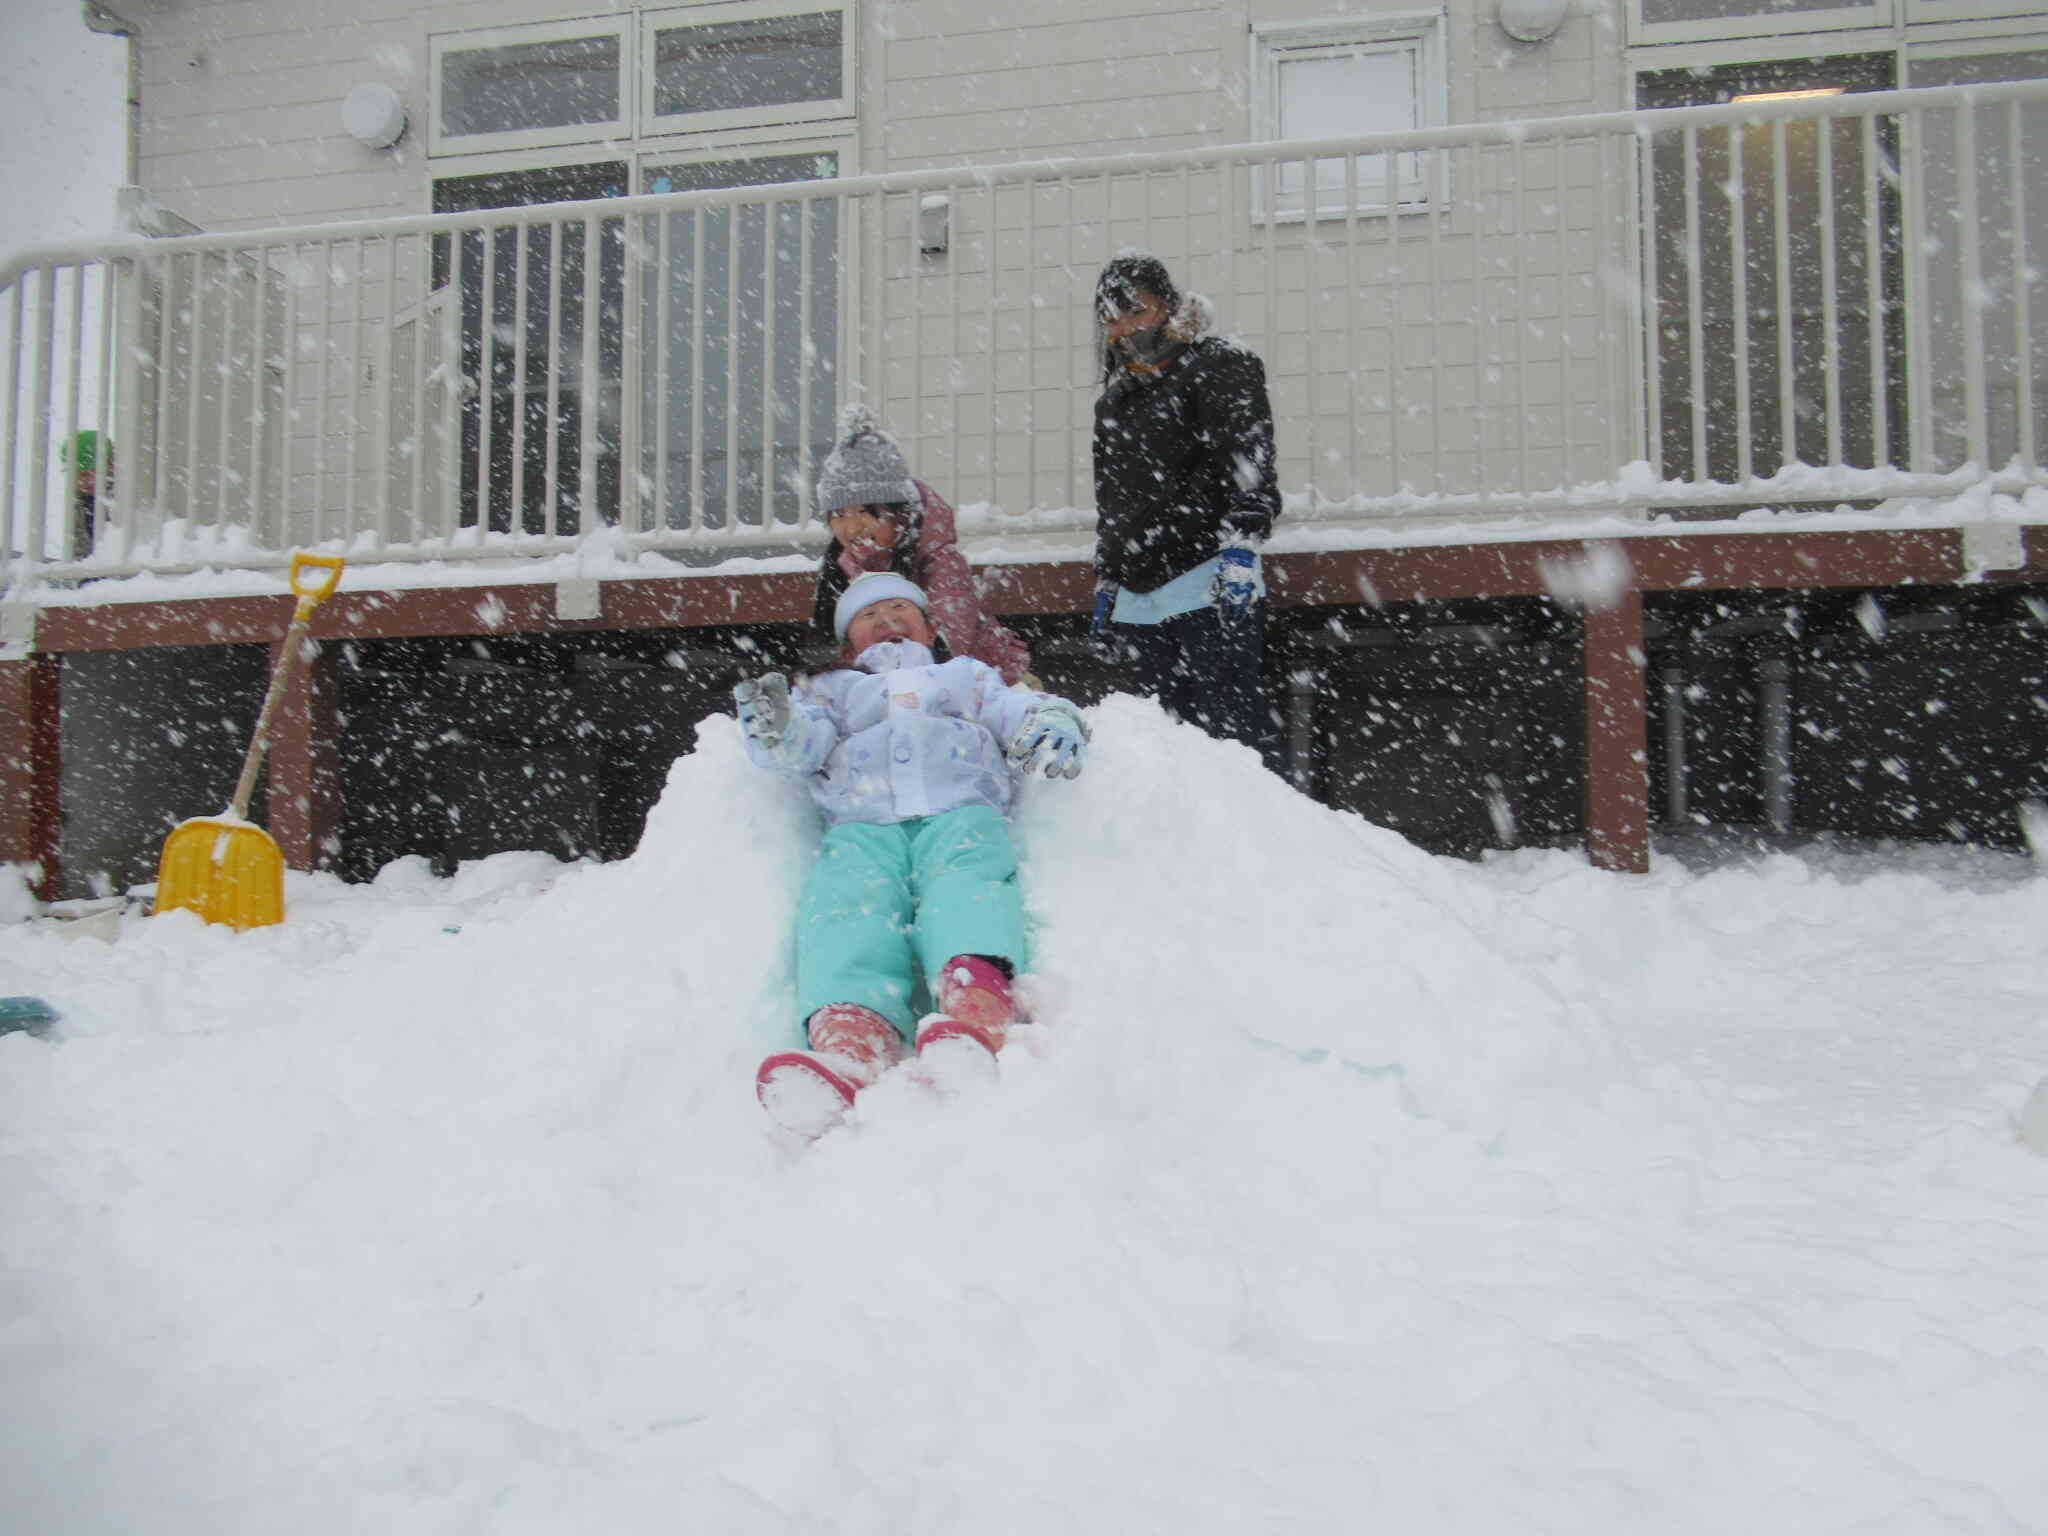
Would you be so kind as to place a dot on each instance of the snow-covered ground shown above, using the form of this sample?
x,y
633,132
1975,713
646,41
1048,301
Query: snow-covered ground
x,y
1339,1188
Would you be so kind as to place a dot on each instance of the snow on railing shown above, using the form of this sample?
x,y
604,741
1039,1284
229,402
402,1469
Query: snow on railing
x,y
1702,307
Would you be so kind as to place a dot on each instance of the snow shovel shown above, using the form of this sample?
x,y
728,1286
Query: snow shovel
x,y
223,867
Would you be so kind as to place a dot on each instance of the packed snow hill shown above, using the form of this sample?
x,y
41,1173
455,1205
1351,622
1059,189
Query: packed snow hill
x,y
1336,1188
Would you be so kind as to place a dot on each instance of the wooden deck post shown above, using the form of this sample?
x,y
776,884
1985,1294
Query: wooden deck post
x,y
305,777
1617,736
31,763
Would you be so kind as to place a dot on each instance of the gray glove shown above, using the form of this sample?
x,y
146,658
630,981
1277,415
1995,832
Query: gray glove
x,y
763,708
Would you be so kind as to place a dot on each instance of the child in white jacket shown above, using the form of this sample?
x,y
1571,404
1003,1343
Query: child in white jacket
x,y
914,762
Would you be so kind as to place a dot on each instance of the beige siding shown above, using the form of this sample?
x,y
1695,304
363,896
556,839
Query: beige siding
x,y
1486,336
238,93
241,110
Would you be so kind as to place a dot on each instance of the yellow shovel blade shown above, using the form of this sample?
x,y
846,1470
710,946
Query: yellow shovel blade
x,y
226,871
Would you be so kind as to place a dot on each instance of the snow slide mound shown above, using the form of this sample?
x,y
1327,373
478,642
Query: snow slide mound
x,y
451,1195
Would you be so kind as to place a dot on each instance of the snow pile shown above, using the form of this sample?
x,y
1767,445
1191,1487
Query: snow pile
x,y
1191,907
1339,1188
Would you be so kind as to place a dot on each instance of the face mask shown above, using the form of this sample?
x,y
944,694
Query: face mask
x,y
1148,349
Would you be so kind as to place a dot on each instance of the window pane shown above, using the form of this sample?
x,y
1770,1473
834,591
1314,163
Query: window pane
x,y
530,341
737,64
530,85
1980,69
762,171
1724,208
1325,96
741,365
1335,94
1655,11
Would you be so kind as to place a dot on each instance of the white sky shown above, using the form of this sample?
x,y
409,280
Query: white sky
x,y
63,135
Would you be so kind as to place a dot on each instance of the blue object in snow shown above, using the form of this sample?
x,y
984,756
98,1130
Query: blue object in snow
x,y
29,1015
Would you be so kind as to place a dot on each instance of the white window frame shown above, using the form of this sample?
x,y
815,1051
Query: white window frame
x,y
440,46
1861,15
1729,52
693,124
1425,32
655,154
2025,15
462,168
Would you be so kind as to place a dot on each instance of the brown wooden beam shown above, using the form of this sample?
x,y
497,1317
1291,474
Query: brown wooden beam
x,y
1412,575
1415,573
305,809
1617,777
1709,562
305,770
679,602
1791,561
31,767
1054,586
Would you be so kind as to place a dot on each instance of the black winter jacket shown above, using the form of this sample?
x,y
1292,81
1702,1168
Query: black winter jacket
x,y
1183,460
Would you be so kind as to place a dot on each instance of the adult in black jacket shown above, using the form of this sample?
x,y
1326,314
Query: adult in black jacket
x,y
1185,494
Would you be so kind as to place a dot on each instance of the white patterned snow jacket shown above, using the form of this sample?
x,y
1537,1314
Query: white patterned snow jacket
x,y
904,736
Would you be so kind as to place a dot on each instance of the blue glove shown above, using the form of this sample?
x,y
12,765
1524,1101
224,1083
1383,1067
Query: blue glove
x,y
763,709
1105,601
1052,734
1237,582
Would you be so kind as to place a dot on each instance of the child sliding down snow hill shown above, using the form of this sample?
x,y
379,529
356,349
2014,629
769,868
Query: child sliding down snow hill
x,y
914,762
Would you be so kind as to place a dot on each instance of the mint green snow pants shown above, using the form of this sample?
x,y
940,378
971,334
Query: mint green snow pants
x,y
888,902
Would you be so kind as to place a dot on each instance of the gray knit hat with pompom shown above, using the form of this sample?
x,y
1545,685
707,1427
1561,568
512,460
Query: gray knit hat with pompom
x,y
864,468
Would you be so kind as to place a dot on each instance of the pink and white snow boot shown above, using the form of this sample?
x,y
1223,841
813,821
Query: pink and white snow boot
x,y
957,1046
808,1092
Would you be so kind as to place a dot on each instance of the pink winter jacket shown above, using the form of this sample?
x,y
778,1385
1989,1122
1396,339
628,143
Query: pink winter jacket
x,y
938,566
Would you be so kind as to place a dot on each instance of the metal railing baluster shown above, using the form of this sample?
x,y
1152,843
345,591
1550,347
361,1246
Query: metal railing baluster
x,y
1830,303
1738,303
2026,451
486,377
1874,301
1972,289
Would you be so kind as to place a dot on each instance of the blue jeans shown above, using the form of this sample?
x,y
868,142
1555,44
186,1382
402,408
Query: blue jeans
x,y
887,904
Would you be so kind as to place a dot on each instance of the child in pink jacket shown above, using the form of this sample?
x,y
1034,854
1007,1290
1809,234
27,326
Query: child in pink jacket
x,y
883,520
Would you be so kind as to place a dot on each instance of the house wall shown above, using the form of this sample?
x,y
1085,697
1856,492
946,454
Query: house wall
x,y
241,120
1485,332
241,98
241,131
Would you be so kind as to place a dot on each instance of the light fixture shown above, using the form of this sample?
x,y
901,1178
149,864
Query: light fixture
x,y
1812,94
1531,21
373,116
934,223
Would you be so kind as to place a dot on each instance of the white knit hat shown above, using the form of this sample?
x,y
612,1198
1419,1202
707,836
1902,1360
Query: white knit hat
x,y
870,588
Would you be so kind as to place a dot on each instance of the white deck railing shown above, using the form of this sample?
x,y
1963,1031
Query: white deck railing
x,y
1704,307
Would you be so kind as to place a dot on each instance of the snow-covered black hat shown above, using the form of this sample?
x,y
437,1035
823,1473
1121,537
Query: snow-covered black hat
x,y
865,468
1130,275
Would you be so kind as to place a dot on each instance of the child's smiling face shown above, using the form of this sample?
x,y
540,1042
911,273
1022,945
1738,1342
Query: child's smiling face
x,y
893,618
861,529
